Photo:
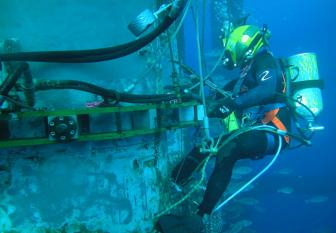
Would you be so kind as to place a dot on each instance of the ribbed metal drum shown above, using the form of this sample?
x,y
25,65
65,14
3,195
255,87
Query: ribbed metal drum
x,y
303,67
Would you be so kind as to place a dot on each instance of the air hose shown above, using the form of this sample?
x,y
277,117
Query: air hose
x,y
296,116
272,130
96,55
42,85
219,145
291,99
252,180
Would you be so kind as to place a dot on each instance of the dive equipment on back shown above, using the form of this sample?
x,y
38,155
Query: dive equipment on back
x,y
304,85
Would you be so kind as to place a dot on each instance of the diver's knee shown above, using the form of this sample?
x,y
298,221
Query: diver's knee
x,y
228,150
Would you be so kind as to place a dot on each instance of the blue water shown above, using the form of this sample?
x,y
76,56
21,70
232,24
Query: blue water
x,y
297,26
303,26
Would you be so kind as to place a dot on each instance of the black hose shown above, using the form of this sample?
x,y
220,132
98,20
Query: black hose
x,y
283,96
105,93
41,85
29,90
296,115
86,56
96,55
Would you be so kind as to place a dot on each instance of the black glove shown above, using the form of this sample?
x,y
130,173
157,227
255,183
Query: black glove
x,y
220,108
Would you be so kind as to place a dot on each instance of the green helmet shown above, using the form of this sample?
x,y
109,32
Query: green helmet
x,y
243,44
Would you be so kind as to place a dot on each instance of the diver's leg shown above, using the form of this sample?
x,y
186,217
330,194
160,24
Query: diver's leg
x,y
183,170
254,144
218,181
4,129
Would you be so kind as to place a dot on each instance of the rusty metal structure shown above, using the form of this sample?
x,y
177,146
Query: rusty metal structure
x,y
75,161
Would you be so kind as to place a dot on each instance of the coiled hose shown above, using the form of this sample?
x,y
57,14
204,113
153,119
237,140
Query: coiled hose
x,y
220,144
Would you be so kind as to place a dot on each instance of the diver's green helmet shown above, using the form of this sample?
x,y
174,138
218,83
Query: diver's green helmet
x,y
243,43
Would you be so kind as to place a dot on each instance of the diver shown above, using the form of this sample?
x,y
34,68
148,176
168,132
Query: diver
x,y
254,101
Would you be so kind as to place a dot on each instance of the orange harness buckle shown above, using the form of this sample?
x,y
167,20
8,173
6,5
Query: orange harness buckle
x,y
271,117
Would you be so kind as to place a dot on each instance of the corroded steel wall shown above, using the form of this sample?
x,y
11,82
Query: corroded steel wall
x,y
106,187
115,186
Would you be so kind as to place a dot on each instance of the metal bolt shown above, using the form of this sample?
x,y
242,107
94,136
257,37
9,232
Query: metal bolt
x,y
61,118
70,122
52,133
62,138
72,132
51,123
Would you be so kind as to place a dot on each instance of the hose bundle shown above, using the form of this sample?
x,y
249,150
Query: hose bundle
x,y
102,54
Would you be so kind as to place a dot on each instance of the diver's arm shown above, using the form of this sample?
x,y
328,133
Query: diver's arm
x,y
230,85
263,93
215,105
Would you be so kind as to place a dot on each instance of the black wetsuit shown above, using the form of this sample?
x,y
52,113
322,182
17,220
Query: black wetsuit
x,y
263,81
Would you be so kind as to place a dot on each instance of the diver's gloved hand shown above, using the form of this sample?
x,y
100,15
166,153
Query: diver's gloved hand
x,y
220,108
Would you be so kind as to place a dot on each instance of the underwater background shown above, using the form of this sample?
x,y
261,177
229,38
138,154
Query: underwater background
x,y
302,26
297,195
303,179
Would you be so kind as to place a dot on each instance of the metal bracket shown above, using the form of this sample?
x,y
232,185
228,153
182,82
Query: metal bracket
x,y
93,124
